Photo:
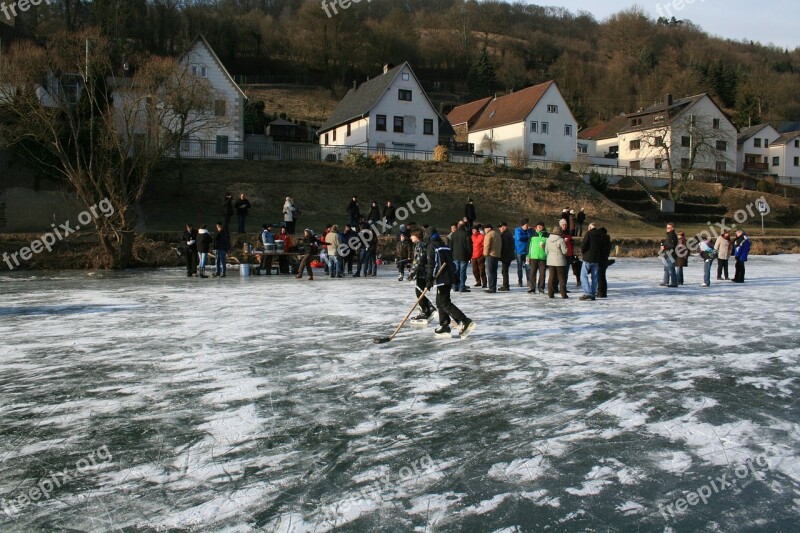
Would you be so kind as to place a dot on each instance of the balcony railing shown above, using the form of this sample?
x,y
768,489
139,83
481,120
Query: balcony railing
x,y
752,165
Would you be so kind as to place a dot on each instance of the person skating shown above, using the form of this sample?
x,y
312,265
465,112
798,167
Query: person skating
x,y
440,271
741,249
556,253
242,206
190,239
537,257
522,238
461,246
591,249
507,255
492,250
418,273
311,245
222,244
723,248
668,256
478,260
204,241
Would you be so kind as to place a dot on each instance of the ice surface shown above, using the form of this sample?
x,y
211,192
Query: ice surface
x,y
261,404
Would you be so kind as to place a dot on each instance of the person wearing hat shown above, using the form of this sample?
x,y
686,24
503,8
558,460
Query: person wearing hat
x,y
537,256
492,250
267,237
507,254
741,249
441,274
522,238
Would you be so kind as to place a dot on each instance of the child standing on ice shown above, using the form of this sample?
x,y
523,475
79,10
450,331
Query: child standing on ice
x,y
707,253
441,273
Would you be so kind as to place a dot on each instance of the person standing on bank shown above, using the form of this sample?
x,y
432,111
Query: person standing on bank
x,y
353,213
741,249
418,274
522,238
668,256
723,248
374,214
227,212
591,250
579,220
537,256
222,244
492,250
389,217
556,253
469,214
441,274
242,206
289,214
190,239
461,246
204,241
508,253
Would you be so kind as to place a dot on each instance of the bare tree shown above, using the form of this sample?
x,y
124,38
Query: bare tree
x,y
103,135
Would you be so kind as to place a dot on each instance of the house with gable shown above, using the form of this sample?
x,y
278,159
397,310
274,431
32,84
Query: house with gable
x,y
390,113
678,128
225,138
600,140
784,153
463,117
536,118
752,148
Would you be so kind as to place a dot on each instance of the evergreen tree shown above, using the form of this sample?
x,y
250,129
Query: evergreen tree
x,y
482,78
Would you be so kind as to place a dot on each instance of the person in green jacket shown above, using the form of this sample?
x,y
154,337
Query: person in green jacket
x,y
537,258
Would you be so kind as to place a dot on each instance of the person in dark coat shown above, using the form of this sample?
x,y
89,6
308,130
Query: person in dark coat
x,y
353,213
227,212
374,214
469,214
204,241
682,257
441,273
350,238
591,251
605,252
222,244
668,256
404,252
190,239
242,206
580,219
508,253
741,249
390,217
461,246
310,246
418,273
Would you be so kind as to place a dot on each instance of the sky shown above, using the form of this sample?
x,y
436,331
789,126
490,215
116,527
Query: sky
x,y
773,22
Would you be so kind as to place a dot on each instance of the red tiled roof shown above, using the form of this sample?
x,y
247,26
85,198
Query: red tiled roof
x,y
467,113
606,130
511,108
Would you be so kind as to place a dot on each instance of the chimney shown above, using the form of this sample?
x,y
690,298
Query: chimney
x,y
355,85
387,67
668,100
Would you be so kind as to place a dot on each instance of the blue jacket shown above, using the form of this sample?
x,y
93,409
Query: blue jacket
x,y
522,239
742,248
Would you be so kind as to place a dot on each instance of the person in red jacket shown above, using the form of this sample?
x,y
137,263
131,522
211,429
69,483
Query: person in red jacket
x,y
283,259
478,259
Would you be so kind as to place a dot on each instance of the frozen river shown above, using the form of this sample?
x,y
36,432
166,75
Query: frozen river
x,y
146,401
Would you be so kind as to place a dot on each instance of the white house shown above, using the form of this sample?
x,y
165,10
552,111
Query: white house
x,y
390,113
784,154
600,141
752,148
537,119
678,128
225,139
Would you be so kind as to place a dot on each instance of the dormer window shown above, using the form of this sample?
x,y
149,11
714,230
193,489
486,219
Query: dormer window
x,y
658,119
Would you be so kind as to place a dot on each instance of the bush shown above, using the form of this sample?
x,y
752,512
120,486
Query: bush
x,y
566,167
765,186
598,181
518,158
440,153
488,160
358,159
381,159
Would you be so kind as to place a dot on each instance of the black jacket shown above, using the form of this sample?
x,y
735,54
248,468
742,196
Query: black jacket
x,y
508,248
669,243
353,211
241,207
221,241
189,236
605,250
374,213
390,214
469,212
461,245
204,241
438,255
227,209
592,246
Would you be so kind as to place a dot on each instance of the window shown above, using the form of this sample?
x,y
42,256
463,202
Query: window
x,y
636,122
583,148
552,108
658,119
405,76
766,143
545,128
199,71
684,162
796,161
634,145
722,145
797,143
326,139
398,124
404,95
686,141
657,163
220,108
538,149
349,131
715,125
636,165
757,142
380,122
534,127
427,126
222,144
659,141
776,161
567,130
334,135
722,166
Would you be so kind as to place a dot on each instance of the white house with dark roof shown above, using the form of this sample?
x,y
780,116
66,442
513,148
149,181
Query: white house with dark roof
x,y
752,148
679,127
225,139
600,141
784,155
536,119
390,113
